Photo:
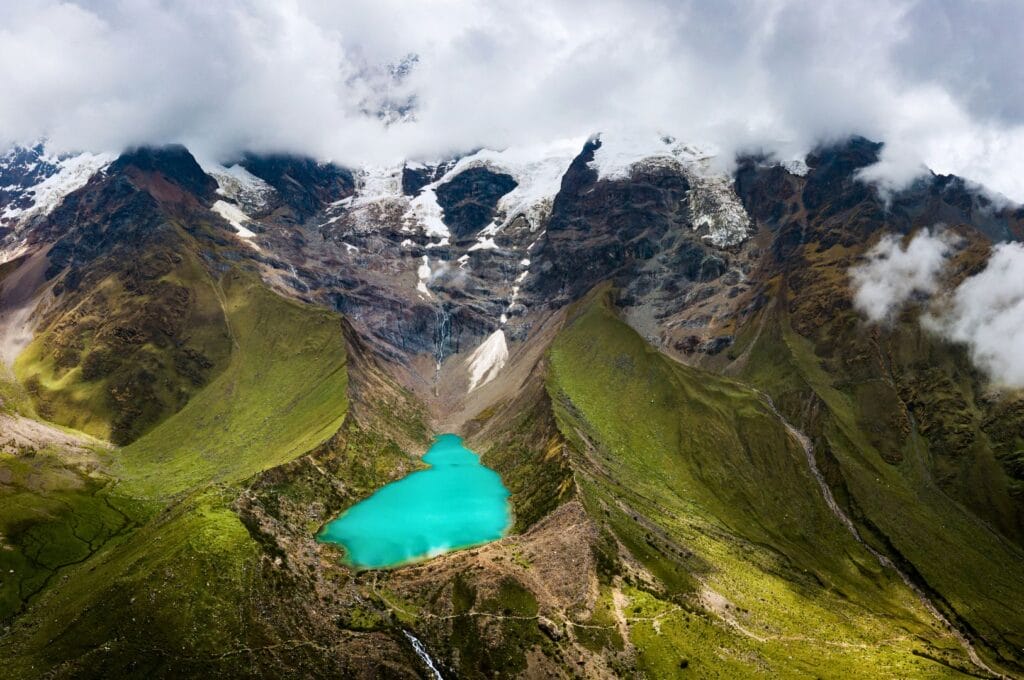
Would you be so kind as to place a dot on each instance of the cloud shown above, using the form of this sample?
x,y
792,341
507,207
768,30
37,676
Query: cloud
x,y
893,274
986,313
932,78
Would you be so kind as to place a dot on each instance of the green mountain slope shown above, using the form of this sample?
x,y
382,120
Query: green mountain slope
x,y
701,482
176,595
282,394
888,482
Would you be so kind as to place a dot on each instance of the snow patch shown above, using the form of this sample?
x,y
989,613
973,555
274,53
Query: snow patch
x,y
537,170
375,183
425,212
796,166
621,153
488,359
72,174
235,217
484,244
714,205
423,272
238,185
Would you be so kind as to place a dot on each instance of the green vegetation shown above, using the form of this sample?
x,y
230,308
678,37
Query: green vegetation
x,y
700,481
52,516
171,591
282,394
512,610
529,453
119,357
169,599
971,571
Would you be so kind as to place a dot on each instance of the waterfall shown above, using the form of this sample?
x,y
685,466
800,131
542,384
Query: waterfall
x,y
421,651
442,336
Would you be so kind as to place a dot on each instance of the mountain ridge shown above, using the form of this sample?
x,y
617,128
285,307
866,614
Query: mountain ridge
x,y
683,420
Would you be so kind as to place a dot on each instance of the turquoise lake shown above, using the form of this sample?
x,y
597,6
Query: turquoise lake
x,y
456,503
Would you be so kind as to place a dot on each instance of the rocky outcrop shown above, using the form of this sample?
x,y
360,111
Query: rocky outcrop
x,y
470,198
174,163
303,184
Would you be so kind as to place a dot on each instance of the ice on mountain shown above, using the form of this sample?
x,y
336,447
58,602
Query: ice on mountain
x,y
425,212
238,185
484,244
538,172
69,173
714,206
796,166
235,217
488,359
423,273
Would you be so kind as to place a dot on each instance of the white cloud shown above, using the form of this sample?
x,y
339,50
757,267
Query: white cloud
x,y
893,274
933,79
986,313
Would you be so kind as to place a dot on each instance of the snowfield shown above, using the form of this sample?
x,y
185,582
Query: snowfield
x,y
488,359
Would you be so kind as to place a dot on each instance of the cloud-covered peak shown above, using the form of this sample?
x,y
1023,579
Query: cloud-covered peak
x,y
371,82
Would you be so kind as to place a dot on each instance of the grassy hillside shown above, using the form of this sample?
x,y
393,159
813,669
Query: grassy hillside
x,y
184,579
169,599
973,573
282,393
53,515
120,356
745,572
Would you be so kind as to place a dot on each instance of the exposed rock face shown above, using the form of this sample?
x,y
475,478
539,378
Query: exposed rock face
x,y
175,163
416,176
33,182
603,230
469,199
304,185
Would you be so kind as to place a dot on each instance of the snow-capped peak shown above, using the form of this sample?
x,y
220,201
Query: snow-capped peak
x,y
714,205
34,181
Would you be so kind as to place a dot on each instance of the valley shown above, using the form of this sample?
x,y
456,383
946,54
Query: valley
x,y
674,449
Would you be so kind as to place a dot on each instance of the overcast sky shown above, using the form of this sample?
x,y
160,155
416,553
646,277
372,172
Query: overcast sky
x,y
938,80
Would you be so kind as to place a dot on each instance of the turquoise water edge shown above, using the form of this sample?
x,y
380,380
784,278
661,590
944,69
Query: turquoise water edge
x,y
456,503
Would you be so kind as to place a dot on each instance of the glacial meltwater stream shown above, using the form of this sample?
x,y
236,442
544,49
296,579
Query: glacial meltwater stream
x,y
456,503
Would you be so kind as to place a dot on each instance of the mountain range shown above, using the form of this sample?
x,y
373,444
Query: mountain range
x,y
718,466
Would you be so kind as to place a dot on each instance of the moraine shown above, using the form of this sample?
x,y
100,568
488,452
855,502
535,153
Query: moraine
x,y
456,503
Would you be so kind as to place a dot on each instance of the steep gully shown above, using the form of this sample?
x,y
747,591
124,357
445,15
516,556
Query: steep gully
x,y
844,519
